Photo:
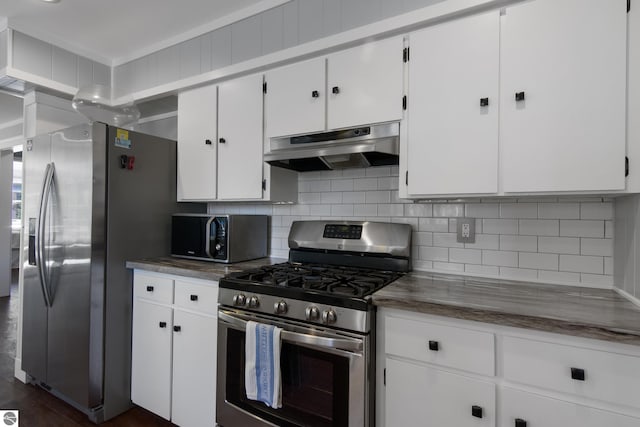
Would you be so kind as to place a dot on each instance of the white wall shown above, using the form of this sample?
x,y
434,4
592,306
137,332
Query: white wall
x,y
567,240
6,175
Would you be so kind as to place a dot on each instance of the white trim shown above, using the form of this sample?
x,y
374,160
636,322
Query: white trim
x,y
236,16
396,25
40,81
158,117
3,23
10,124
627,295
18,372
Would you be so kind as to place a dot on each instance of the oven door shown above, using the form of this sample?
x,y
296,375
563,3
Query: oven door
x,y
324,376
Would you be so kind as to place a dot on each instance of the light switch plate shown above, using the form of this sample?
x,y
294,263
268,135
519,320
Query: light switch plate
x,y
466,230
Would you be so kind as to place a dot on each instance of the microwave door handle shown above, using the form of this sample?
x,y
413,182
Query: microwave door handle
x,y
298,338
207,236
40,231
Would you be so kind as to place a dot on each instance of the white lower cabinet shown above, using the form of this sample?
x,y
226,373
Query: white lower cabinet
x,y
174,349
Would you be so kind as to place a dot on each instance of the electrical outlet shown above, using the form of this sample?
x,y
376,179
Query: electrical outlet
x,y
466,230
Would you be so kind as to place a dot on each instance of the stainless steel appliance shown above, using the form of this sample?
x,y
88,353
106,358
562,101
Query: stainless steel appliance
x,y
219,238
321,300
95,196
374,145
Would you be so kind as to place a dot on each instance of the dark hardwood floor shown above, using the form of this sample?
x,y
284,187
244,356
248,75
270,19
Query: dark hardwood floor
x,y
37,407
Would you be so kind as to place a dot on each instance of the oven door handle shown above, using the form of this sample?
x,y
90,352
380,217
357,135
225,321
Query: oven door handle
x,y
298,338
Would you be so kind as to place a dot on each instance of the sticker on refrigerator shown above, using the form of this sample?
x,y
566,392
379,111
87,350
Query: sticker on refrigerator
x,y
122,139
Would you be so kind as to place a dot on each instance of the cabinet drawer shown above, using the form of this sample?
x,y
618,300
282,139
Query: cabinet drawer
x,y
196,296
610,377
154,288
449,346
522,409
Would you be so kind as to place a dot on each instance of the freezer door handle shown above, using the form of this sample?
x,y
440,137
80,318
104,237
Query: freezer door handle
x,y
40,231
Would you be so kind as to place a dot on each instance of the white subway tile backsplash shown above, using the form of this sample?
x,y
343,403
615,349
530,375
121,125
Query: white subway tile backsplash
x,y
419,264
421,210
320,210
559,245
465,256
485,241
281,210
538,261
341,210
300,210
377,197
353,173
559,210
448,210
518,273
558,276
353,197
429,253
484,270
434,224
596,210
413,222
601,247
582,264
608,229
518,210
365,184
446,240
500,258
388,183
309,198
597,280
331,198
482,210
319,186
608,266
447,266
500,226
365,210
539,227
389,210
572,228
342,185
422,238
379,171
518,243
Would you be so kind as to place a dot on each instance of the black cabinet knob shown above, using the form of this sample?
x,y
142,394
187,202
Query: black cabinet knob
x,y
476,411
149,288
162,324
520,422
207,141
434,346
335,90
222,140
519,96
177,328
484,102
577,374
193,297
315,94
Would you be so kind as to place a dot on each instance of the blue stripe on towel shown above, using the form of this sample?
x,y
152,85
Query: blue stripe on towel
x,y
265,370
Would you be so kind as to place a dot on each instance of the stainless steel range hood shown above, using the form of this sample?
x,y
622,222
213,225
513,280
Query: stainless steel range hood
x,y
374,145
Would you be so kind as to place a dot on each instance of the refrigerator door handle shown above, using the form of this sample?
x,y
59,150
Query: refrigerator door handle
x,y
40,230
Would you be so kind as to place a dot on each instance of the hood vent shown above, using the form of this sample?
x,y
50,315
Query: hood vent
x,y
361,147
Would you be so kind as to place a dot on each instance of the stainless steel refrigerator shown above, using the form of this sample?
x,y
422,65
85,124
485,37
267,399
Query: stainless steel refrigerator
x,y
95,196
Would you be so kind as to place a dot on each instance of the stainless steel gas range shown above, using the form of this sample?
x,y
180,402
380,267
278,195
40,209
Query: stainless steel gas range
x,y
321,299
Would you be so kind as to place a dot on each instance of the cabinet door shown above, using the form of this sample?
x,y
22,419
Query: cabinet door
x,y
420,396
452,134
196,144
566,60
194,370
151,357
296,98
240,165
368,82
539,411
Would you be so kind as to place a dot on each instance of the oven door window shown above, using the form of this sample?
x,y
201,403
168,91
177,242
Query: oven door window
x,y
315,385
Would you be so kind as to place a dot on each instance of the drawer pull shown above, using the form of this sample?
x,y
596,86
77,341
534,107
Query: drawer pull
x,y
162,324
519,96
484,102
434,346
577,374
149,288
177,328
193,297
520,422
476,411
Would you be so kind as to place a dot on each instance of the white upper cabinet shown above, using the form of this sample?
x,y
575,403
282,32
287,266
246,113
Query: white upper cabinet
x,y
364,84
452,115
197,113
295,99
240,165
563,82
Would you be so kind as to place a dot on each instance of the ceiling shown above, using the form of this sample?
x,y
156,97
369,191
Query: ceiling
x,y
114,30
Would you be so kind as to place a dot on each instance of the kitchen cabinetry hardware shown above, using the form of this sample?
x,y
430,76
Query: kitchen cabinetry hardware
x,y
264,87
406,178
434,346
193,297
315,94
626,166
177,328
404,102
484,102
405,54
149,288
476,411
520,422
335,90
264,185
222,141
162,324
577,374
207,141
519,96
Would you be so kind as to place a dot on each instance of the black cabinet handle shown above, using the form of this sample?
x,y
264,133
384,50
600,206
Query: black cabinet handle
x,y
222,140
484,102
577,374
193,297
177,328
162,324
207,141
315,94
149,288
519,96
335,90
434,345
520,422
476,411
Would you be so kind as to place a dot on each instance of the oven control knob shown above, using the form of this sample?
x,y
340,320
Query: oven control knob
x,y
239,300
312,313
329,316
280,307
254,302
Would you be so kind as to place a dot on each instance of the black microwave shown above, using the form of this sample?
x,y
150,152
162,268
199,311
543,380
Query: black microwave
x,y
219,238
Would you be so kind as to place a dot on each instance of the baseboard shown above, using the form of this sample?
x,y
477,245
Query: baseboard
x,y
18,372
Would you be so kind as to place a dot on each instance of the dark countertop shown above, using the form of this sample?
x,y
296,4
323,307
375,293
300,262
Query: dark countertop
x,y
585,312
198,269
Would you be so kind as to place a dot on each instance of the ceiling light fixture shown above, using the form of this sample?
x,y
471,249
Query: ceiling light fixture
x,y
51,1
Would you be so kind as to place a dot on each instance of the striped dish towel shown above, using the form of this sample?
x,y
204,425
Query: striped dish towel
x,y
262,378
